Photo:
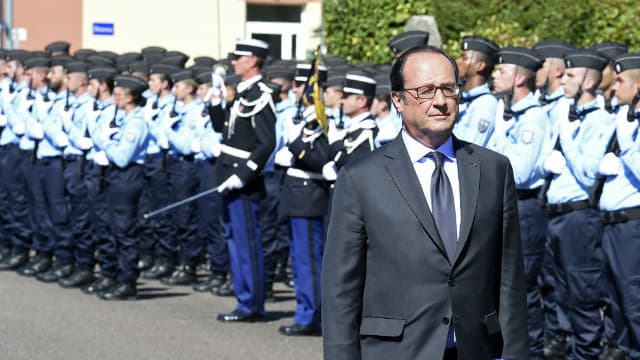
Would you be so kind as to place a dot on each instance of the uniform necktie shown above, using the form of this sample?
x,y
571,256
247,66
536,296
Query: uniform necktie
x,y
442,205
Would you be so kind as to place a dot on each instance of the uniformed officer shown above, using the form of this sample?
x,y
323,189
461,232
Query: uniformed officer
x,y
477,109
519,132
305,198
158,233
15,103
406,40
575,228
620,206
551,96
358,139
180,129
248,140
606,96
125,146
104,116
57,48
210,209
332,97
37,69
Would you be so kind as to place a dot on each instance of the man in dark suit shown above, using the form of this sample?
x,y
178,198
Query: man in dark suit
x,y
423,257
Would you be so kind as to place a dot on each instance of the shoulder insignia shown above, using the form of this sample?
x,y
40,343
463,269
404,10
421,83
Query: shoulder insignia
x,y
131,137
483,125
526,136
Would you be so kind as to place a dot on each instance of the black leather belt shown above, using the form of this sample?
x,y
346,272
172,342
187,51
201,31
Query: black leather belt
x,y
178,157
526,194
568,207
71,158
622,215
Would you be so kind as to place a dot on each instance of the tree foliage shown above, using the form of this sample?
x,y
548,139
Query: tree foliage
x,y
360,29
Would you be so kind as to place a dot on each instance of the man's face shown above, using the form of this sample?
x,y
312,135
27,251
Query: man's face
x,y
121,97
626,87
56,77
155,83
332,96
201,92
608,77
351,104
75,81
181,90
242,64
12,68
465,61
298,88
503,77
572,80
543,73
427,117
94,86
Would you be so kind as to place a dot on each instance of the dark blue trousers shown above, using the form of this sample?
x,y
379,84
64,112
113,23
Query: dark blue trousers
x,y
274,226
124,187
621,246
37,214
578,237
210,214
533,232
60,234
157,232
183,184
307,246
96,182
79,212
245,253
16,217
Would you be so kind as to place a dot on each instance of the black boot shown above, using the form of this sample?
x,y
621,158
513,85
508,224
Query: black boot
x,y
15,261
58,271
159,270
183,275
212,281
36,265
100,284
77,279
121,291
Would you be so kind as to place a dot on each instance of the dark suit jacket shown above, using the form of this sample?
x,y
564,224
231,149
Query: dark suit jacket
x,y
388,288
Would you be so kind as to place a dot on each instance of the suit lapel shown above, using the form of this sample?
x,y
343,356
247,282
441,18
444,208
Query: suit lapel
x,y
469,178
401,171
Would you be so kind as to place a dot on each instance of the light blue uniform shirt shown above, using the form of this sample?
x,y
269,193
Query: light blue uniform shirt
x,y
32,116
388,128
184,131
16,108
209,139
76,126
477,113
129,145
623,190
285,110
583,152
522,144
556,102
52,126
165,104
107,110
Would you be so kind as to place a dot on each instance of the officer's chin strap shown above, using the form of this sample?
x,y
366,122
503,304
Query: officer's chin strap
x,y
573,109
544,90
507,97
631,113
607,102
463,78
96,105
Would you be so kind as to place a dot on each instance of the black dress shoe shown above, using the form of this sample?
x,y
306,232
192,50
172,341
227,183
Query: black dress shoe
x,y
212,281
14,262
183,275
159,270
555,350
146,262
299,330
121,291
4,253
239,316
36,265
77,279
55,273
225,289
100,284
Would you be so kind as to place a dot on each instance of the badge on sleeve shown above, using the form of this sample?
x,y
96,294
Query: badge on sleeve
x,y
526,136
483,125
131,137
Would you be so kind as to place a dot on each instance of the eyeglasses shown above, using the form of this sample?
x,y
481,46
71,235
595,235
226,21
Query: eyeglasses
x,y
428,92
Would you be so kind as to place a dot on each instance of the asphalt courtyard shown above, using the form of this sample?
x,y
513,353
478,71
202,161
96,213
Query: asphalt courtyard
x,y
45,321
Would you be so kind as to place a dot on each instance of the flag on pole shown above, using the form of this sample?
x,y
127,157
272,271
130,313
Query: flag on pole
x,y
313,92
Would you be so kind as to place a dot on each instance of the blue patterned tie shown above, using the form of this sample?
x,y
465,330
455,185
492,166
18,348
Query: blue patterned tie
x,y
442,206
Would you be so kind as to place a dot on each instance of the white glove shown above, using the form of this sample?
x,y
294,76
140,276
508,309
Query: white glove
x,y
85,143
216,149
329,171
163,142
62,140
624,131
100,158
293,131
284,157
610,165
555,163
19,128
232,183
150,113
36,131
336,134
217,84
196,147
3,120
568,128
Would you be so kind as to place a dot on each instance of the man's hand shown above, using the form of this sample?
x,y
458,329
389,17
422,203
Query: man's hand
x,y
610,165
100,158
85,143
196,146
329,171
232,183
555,163
284,157
36,131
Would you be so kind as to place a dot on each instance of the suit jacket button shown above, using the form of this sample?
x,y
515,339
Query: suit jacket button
x,y
305,183
445,321
235,165
452,282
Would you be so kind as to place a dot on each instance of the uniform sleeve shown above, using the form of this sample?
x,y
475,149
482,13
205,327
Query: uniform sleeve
x,y
483,118
182,138
78,127
265,131
52,127
343,273
631,158
584,158
122,151
218,115
310,158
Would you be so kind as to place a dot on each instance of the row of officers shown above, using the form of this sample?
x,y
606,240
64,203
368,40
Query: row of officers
x,y
85,151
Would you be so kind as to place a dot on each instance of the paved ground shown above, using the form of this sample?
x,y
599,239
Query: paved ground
x,y
44,321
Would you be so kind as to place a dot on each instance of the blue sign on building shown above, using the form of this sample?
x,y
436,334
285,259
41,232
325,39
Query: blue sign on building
x,y
102,28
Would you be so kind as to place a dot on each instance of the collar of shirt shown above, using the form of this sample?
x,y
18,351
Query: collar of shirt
x,y
244,85
108,102
356,120
525,102
587,106
83,99
417,150
478,90
555,95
